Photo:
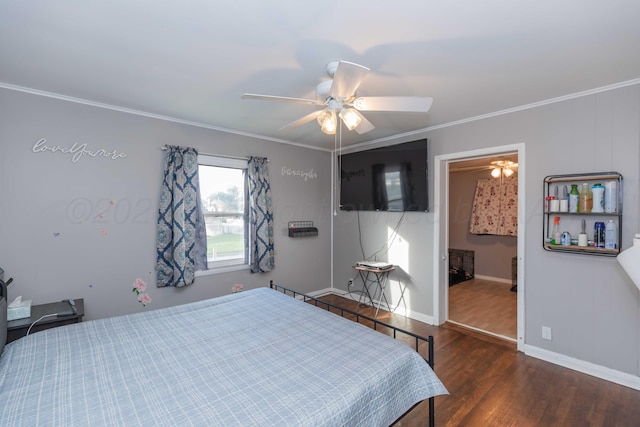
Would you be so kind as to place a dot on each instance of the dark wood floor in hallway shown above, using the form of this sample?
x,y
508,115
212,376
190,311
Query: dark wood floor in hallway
x,y
491,384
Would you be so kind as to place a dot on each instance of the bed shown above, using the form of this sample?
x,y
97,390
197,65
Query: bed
x,y
258,357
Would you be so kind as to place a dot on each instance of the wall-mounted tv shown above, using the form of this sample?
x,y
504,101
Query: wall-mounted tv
x,y
392,178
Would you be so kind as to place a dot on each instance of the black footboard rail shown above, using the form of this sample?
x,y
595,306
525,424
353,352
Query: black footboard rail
x,y
342,311
417,338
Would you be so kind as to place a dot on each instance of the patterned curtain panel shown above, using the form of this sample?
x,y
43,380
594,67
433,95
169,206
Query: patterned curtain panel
x,y
495,207
261,254
181,236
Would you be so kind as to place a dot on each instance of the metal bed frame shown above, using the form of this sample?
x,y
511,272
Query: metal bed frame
x,y
342,311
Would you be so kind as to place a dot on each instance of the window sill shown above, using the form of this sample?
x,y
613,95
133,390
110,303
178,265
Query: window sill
x,y
219,270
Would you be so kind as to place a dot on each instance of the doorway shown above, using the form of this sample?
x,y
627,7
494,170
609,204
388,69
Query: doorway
x,y
483,244
442,164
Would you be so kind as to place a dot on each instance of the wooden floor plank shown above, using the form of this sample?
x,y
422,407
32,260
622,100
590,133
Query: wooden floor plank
x,y
485,304
491,384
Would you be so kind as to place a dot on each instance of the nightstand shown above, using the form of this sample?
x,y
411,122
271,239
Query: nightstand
x,y
18,328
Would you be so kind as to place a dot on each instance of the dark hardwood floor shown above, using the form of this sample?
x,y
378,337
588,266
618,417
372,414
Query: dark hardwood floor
x,y
491,384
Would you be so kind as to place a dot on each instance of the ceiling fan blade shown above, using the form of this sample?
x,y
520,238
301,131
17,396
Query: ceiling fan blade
x,y
364,126
346,80
278,98
393,103
303,120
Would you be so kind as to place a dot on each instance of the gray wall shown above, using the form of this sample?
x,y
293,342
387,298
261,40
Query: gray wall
x,y
592,306
589,302
410,250
87,229
492,254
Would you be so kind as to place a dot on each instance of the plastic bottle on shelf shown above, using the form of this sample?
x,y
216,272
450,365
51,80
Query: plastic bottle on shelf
x,y
598,234
611,196
555,234
611,235
598,198
585,201
573,198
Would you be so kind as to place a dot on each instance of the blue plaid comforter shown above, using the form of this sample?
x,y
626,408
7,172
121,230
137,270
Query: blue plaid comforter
x,y
255,358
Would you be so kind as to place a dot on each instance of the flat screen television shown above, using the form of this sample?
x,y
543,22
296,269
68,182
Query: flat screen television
x,y
393,178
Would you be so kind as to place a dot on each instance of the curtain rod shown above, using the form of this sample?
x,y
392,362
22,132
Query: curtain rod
x,y
164,147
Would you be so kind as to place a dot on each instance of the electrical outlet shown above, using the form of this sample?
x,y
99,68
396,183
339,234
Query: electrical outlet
x,y
546,333
350,282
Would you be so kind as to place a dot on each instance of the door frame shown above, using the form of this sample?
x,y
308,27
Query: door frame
x,y
441,230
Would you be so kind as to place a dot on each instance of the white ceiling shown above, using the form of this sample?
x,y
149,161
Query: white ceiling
x,y
191,60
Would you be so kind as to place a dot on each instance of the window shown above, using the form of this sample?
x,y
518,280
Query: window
x,y
223,191
393,184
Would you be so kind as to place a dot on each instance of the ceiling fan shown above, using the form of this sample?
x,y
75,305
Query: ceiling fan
x,y
502,167
338,98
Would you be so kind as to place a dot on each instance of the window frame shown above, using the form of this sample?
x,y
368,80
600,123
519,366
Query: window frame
x,y
232,163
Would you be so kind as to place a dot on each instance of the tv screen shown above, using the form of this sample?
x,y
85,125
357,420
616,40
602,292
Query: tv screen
x,y
392,178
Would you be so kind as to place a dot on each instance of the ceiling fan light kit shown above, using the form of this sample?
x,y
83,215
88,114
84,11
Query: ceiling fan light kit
x,y
338,98
350,117
503,167
328,122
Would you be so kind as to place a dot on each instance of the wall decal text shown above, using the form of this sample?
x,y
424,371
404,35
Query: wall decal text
x,y
76,151
306,175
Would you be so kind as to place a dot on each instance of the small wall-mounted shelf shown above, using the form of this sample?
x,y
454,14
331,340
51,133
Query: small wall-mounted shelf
x,y
302,229
572,221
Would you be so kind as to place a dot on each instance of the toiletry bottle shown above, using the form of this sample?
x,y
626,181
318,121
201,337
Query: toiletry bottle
x,y
598,234
598,198
585,202
611,235
573,198
555,235
611,197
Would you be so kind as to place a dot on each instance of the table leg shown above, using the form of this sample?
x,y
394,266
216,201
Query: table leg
x,y
381,280
364,277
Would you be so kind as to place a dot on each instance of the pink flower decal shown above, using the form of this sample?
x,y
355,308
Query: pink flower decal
x,y
139,286
144,299
237,288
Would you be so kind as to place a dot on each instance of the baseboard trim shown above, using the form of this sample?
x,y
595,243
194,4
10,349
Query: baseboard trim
x,y
322,292
482,331
424,318
493,279
598,371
